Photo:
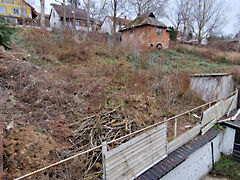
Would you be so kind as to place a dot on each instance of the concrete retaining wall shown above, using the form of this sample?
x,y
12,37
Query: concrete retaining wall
x,y
211,87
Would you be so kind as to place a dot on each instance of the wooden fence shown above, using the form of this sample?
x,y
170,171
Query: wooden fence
x,y
220,109
132,158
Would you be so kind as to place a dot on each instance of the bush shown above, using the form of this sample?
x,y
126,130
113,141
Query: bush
x,y
5,35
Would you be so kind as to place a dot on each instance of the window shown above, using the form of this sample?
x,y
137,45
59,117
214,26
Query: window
x,y
15,11
53,14
131,31
159,32
84,24
77,23
24,12
2,10
8,1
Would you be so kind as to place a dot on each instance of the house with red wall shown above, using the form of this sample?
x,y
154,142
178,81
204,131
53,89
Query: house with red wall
x,y
145,32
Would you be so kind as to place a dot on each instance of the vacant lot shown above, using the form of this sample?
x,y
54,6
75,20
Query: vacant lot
x,y
71,93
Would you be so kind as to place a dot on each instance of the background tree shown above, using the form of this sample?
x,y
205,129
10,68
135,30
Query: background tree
x,y
208,16
42,21
95,9
180,16
141,6
116,9
173,34
74,3
237,25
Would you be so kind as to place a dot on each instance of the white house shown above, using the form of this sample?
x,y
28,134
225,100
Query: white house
x,y
107,25
75,18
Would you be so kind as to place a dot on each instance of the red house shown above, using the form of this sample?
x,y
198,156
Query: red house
x,y
145,32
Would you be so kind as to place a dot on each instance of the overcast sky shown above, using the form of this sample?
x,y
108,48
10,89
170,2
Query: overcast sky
x,y
233,6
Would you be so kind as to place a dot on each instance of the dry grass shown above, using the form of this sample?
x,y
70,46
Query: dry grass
x,y
210,53
60,80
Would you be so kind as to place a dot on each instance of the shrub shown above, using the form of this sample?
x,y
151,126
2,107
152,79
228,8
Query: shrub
x,y
5,35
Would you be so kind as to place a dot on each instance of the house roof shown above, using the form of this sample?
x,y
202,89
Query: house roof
x,y
32,8
80,14
147,18
46,15
122,21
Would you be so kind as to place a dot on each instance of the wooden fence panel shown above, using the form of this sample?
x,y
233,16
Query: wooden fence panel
x,y
208,126
184,138
214,113
130,159
227,105
234,103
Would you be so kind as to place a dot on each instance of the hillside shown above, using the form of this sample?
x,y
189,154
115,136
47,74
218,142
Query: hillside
x,y
62,95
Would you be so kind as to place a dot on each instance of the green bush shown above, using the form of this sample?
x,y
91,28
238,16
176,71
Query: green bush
x,y
5,34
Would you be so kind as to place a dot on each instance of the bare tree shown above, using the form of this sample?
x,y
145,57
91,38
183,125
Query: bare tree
x,y
117,8
42,21
155,6
95,9
180,15
207,17
63,2
74,3
237,25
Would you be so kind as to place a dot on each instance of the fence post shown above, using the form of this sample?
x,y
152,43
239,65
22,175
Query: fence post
x,y
104,150
209,105
175,127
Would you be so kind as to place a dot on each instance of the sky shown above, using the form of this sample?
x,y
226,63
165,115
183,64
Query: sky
x,y
231,19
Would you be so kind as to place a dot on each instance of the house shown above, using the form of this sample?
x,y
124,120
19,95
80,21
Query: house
x,y
233,44
107,24
37,19
145,32
16,11
75,18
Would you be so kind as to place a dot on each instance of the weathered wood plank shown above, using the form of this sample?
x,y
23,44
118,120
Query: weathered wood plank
x,y
208,126
139,144
135,151
135,140
227,105
132,170
131,156
214,112
104,150
184,138
234,103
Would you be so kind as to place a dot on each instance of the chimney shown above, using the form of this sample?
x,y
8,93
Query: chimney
x,y
125,17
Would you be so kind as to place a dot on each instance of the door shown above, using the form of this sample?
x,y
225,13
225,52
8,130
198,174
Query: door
x,y
236,148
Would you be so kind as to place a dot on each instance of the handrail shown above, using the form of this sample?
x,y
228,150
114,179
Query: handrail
x,y
123,137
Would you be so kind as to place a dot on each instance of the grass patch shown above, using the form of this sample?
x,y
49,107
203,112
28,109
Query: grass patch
x,y
227,166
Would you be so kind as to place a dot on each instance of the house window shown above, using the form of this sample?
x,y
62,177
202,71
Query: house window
x,y
2,10
77,23
84,24
16,11
131,31
53,14
24,12
159,32
8,1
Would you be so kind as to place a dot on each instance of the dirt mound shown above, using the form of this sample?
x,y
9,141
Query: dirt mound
x,y
26,149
